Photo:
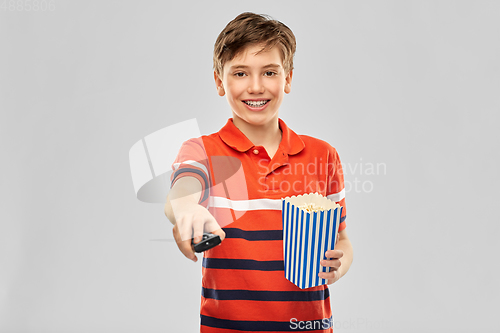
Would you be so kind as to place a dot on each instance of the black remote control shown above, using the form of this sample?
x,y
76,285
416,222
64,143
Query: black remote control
x,y
207,242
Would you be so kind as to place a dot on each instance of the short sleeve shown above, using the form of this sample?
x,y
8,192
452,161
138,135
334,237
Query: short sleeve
x,y
336,190
192,161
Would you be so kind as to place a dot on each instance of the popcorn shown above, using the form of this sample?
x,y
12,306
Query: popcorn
x,y
310,228
311,207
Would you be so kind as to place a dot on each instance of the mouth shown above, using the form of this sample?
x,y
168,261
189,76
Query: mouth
x,y
256,104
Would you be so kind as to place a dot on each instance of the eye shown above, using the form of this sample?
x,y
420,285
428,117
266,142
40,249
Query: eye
x,y
238,74
271,73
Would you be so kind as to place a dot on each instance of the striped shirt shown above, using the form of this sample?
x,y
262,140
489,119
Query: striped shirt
x,y
243,286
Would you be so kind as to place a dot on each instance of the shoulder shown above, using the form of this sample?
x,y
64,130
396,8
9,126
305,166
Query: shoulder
x,y
312,140
195,148
317,144
202,141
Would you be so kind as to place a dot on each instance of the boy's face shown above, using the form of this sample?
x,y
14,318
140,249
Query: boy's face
x,y
254,85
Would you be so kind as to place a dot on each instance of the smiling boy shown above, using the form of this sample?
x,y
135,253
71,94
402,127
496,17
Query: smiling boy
x,y
243,285
254,84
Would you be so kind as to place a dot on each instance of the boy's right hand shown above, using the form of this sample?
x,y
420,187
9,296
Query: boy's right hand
x,y
191,221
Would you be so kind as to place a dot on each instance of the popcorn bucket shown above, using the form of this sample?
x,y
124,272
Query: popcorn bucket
x,y
310,228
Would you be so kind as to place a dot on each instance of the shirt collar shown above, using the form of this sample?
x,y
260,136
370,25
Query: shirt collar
x,y
291,143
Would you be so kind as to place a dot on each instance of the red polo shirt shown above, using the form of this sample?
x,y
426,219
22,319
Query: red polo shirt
x,y
243,287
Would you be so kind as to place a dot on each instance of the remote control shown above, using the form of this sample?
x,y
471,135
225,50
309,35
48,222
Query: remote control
x,y
207,242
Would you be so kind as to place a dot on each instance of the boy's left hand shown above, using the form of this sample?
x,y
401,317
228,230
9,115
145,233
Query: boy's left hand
x,y
334,264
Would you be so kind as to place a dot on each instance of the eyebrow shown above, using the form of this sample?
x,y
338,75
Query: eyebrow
x,y
243,66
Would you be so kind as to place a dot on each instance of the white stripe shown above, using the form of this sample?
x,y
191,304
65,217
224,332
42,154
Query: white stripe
x,y
193,163
245,205
337,196
307,262
288,240
303,250
315,262
323,246
258,204
294,244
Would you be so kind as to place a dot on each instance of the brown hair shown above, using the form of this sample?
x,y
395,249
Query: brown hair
x,y
250,28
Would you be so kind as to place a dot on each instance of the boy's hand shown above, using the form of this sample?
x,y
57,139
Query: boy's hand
x,y
191,221
334,264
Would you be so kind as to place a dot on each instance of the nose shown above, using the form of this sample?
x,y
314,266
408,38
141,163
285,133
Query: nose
x,y
255,86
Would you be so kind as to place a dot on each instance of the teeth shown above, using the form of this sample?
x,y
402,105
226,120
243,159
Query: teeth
x,y
256,104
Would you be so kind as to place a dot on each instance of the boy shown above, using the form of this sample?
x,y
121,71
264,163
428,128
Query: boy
x,y
243,285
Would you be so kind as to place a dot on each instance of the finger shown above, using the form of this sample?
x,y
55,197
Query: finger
x,y
197,232
184,246
330,276
336,254
221,234
185,229
213,227
335,263
187,250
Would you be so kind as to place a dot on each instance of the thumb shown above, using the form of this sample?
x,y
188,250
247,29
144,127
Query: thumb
x,y
220,233
213,227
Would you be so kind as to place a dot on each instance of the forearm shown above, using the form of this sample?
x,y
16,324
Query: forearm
x,y
185,191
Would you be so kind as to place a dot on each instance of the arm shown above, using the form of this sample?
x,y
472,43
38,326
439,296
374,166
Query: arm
x,y
186,190
189,218
340,259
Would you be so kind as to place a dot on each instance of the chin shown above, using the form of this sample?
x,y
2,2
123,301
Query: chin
x,y
256,119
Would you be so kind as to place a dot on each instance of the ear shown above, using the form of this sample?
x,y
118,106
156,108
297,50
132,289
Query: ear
x,y
218,84
288,82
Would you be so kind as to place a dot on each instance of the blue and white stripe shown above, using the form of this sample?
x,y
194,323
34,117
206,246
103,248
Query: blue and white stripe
x,y
306,238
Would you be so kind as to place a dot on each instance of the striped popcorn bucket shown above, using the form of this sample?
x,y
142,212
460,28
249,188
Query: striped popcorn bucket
x,y
307,236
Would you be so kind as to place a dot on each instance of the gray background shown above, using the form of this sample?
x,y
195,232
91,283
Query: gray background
x,y
410,85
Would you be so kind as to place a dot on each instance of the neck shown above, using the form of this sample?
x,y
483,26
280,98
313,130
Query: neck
x,y
261,135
